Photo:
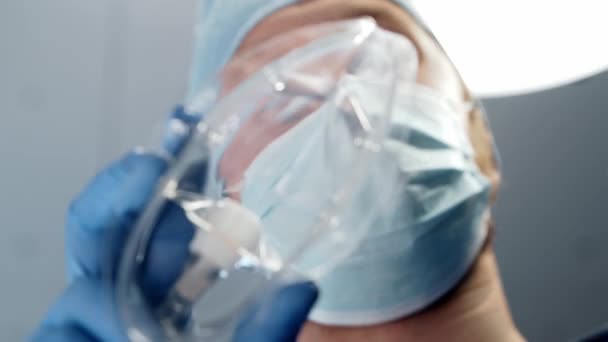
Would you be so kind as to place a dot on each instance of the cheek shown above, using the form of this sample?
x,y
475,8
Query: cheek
x,y
483,144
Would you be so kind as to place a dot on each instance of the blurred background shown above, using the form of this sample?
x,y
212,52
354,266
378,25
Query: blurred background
x,y
83,82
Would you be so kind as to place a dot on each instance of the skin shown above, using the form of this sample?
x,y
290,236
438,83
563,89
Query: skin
x,y
477,309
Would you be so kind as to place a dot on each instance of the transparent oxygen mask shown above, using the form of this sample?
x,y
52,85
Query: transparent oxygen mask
x,y
248,159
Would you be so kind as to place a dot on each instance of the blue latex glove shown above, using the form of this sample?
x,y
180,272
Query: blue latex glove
x,y
98,222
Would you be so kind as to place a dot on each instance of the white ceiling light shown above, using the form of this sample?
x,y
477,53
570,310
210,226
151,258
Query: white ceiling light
x,y
519,46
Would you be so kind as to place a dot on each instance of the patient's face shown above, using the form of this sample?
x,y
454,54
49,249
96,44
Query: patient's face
x,y
435,71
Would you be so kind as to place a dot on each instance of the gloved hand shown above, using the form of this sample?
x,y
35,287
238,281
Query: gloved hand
x,y
99,219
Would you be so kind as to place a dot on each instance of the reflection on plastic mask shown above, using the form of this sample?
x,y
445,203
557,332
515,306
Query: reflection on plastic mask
x,y
422,243
357,177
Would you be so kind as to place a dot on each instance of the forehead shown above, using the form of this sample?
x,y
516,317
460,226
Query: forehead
x,y
224,25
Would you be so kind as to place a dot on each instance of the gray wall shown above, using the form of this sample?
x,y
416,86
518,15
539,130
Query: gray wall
x,y
81,82
552,214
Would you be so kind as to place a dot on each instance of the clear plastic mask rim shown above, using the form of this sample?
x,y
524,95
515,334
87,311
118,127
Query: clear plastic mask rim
x,y
138,318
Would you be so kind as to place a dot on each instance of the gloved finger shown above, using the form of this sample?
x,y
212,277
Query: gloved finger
x,y
61,334
108,206
169,247
87,305
279,316
167,253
